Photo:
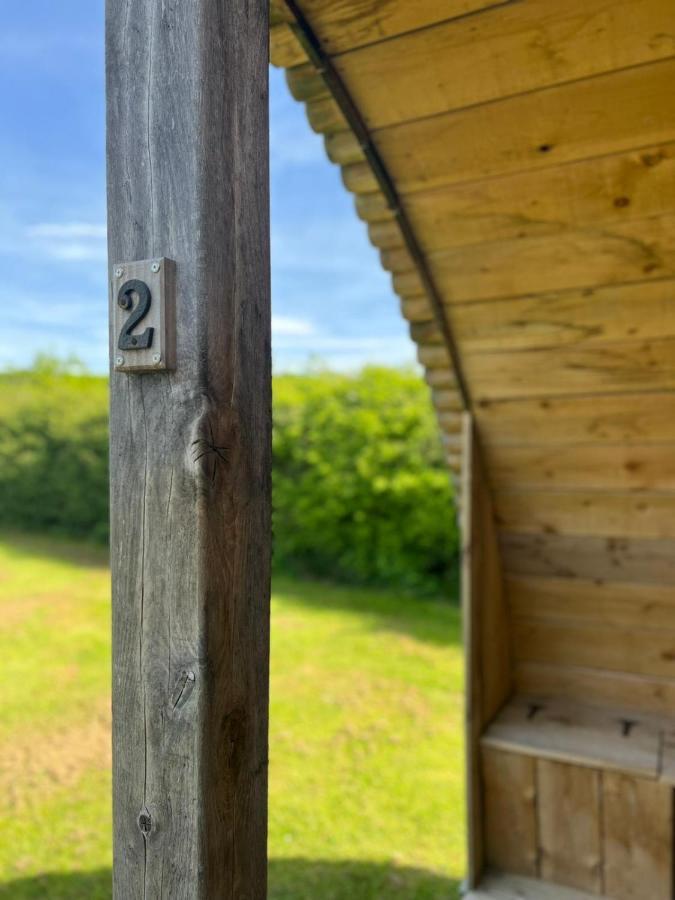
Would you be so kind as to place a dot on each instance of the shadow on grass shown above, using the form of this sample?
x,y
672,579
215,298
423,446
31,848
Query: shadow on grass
x,y
289,879
435,620
25,545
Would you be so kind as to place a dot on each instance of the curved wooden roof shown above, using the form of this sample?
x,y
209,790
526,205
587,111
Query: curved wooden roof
x,y
531,147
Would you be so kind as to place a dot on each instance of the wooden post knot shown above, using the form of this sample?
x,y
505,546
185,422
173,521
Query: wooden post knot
x,y
184,687
145,822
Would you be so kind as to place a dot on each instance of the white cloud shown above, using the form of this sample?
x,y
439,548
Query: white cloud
x,y
67,230
69,241
289,326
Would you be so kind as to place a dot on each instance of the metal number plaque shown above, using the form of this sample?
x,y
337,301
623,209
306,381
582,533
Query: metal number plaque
x,y
143,313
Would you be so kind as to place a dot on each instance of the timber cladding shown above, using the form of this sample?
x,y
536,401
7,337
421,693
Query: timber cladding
x,y
531,147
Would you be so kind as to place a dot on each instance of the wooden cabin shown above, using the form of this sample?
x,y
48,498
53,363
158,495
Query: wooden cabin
x,y
514,162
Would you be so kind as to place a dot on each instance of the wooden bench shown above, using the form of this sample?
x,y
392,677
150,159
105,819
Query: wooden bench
x,y
578,795
606,738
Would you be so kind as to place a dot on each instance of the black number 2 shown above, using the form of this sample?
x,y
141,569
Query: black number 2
x,y
125,300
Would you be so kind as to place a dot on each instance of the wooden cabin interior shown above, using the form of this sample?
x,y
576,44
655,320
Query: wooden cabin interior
x,y
514,162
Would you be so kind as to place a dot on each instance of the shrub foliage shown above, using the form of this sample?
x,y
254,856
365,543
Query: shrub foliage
x,y
360,489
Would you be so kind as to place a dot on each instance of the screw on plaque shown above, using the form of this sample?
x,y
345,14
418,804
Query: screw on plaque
x,y
155,267
157,358
119,360
119,271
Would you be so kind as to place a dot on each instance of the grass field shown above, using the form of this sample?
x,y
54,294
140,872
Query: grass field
x,y
365,742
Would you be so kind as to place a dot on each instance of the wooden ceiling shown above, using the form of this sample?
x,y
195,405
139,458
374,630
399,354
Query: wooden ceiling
x,y
532,148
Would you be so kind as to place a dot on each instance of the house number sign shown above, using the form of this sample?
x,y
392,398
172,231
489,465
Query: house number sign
x,y
143,315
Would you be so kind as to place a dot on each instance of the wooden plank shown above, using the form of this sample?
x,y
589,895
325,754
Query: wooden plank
x,y
426,332
442,379
610,466
487,651
408,284
510,811
579,556
610,368
372,207
508,50
359,178
637,838
592,600
191,452
573,732
638,694
306,83
591,513
578,317
589,193
636,250
343,148
634,418
502,886
668,753
485,586
279,12
642,651
569,825
343,25
285,48
325,116
448,400
594,117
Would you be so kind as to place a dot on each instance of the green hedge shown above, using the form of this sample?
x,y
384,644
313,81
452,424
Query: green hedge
x,y
54,451
360,491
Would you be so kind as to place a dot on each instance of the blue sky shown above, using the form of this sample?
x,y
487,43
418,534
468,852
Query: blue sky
x,y
331,301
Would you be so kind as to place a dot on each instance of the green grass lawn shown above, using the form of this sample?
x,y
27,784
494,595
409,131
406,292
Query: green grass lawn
x,y
366,797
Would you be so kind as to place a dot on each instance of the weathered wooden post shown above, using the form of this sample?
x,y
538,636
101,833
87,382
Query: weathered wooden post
x,y
190,445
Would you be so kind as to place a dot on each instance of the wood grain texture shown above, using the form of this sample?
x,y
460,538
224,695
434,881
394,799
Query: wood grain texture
x,y
594,117
486,641
637,694
577,733
569,825
325,116
503,886
635,250
285,48
590,193
346,24
637,467
637,838
590,513
578,317
306,83
190,452
638,651
639,560
668,754
632,418
343,148
507,50
616,367
592,600
371,207
510,811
